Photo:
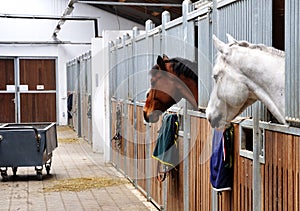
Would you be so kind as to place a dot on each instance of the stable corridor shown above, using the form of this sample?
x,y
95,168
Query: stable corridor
x,y
79,180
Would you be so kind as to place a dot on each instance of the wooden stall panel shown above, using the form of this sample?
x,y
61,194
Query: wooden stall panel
x,y
156,191
141,149
38,107
7,108
199,156
130,143
7,100
113,130
241,194
35,72
280,173
7,73
84,116
281,182
175,183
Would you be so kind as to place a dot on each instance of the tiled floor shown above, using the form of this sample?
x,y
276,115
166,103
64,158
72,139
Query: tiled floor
x,y
70,160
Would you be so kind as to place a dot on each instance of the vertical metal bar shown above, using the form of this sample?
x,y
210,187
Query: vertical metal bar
x,y
110,45
126,96
186,8
166,17
17,90
135,33
256,179
78,71
125,136
215,28
149,26
135,135
297,60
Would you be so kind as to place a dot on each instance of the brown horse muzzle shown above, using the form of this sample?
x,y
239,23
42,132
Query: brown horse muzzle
x,y
152,117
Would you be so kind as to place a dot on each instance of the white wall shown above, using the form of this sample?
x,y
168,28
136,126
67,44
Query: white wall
x,y
100,92
29,30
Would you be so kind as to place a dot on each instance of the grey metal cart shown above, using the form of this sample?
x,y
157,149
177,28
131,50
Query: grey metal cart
x,y
23,145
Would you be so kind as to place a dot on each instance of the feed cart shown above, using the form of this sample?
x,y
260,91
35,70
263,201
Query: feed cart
x,y
27,145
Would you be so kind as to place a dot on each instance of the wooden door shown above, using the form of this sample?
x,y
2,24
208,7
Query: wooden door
x,y
37,90
7,92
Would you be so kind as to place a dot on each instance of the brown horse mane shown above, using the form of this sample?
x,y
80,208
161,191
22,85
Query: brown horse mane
x,y
181,66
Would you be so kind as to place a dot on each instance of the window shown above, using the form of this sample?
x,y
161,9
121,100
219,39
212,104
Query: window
x,y
246,142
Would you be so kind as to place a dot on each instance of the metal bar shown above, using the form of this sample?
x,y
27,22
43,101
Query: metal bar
x,y
111,3
48,17
186,8
17,92
149,26
256,180
42,43
67,12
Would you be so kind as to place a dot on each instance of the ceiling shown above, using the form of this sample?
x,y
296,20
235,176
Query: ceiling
x,y
140,14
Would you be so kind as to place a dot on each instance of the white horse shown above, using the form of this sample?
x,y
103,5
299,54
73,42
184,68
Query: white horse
x,y
244,73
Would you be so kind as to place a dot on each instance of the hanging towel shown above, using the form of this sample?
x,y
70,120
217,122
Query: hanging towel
x,y
166,149
221,161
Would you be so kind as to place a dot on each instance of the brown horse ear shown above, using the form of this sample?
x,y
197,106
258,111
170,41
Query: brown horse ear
x,y
161,63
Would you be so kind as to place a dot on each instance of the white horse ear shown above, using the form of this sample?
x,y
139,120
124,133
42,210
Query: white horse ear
x,y
221,47
230,39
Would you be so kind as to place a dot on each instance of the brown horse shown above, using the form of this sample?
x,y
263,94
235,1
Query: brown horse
x,y
172,80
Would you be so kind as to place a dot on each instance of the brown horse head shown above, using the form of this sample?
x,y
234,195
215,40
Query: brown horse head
x,y
171,80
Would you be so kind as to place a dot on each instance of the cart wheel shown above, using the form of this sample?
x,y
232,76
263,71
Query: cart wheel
x,y
4,177
4,174
39,172
39,176
14,169
48,169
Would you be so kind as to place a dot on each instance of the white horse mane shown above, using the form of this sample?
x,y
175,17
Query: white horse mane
x,y
261,47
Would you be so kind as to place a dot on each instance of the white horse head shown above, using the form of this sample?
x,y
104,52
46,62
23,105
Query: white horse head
x,y
244,73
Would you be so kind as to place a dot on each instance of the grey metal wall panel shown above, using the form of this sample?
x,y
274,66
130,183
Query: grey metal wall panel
x,y
141,76
112,72
122,74
174,44
205,61
292,47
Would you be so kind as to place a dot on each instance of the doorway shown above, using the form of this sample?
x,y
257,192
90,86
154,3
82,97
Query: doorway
x,y
278,24
28,91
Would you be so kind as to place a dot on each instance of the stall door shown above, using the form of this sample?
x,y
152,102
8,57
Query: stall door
x,y
37,90
7,91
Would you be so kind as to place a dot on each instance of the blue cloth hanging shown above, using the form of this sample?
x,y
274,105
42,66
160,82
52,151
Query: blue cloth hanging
x,y
166,149
221,161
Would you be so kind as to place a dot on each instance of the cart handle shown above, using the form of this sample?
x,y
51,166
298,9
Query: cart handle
x,y
37,135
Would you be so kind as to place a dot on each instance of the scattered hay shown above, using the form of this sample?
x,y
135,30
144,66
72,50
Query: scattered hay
x,y
68,140
85,183
63,128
